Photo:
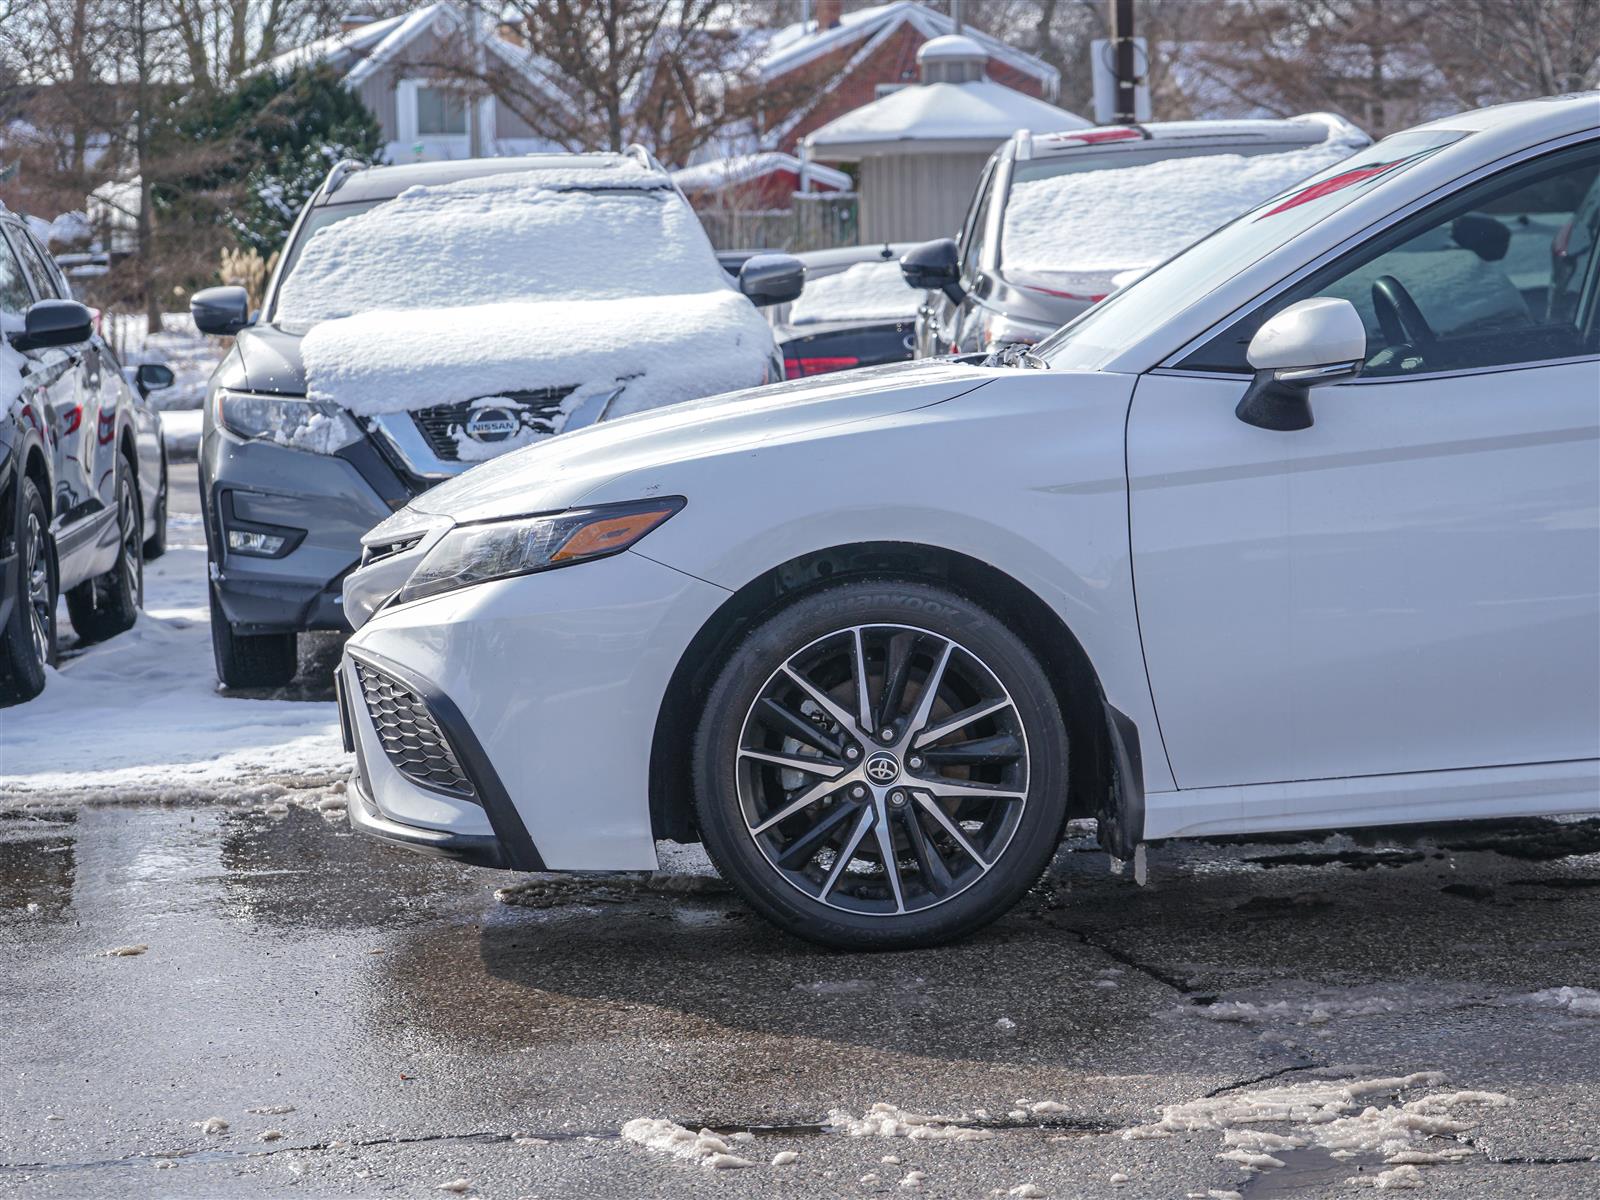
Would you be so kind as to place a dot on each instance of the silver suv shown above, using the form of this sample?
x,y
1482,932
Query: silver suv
x,y
425,318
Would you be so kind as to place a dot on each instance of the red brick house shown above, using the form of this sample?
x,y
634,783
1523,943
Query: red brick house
x,y
841,61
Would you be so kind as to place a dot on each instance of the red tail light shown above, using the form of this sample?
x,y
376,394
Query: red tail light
x,y
799,368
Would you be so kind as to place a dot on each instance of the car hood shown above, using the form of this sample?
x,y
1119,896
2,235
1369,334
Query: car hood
x,y
559,473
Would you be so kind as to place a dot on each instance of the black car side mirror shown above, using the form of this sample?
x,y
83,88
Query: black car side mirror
x,y
153,377
772,278
54,323
223,311
934,267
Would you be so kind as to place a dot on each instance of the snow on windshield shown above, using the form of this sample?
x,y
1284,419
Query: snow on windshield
x,y
504,237
1116,218
869,291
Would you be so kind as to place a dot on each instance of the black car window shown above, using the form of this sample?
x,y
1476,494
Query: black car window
x,y
1499,274
972,246
14,294
44,279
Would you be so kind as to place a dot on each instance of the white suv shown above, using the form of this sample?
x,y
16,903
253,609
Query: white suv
x,y
1301,530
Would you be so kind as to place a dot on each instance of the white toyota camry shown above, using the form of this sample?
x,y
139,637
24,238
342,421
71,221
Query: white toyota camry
x,y
1301,530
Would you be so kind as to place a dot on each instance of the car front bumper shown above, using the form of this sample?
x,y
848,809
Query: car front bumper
x,y
518,716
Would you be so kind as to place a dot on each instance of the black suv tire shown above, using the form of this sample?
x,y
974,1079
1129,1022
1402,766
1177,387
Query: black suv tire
x,y
22,667
261,660
109,604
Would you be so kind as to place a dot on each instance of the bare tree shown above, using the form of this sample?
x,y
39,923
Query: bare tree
x,y
222,39
1495,50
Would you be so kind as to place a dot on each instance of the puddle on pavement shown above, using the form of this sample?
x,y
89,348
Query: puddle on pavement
x,y
1308,1171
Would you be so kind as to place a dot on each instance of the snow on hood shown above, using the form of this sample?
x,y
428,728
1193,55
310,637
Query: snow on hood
x,y
660,349
1090,224
578,277
561,472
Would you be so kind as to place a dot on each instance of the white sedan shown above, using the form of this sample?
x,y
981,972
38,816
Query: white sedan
x,y
1299,531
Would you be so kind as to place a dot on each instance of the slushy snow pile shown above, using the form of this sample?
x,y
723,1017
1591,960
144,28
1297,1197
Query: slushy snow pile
x,y
870,291
1346,1118
886,1120
1579,1001
1116,218
668,1137
140,716
592,289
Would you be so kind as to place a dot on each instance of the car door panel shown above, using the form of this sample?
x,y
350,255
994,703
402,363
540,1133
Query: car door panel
x,y
1413,584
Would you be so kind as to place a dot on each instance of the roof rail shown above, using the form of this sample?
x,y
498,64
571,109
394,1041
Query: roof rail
x,y
339,173
643,157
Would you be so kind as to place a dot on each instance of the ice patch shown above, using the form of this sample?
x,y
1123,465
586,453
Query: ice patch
x,y
886,1120
125,951
1333,1115
1579,1001
455,1185
1394,1179
668,1137
784,1158
212,1125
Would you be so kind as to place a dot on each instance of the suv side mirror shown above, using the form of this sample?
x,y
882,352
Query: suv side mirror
x,y
934,267
772,278
54,323
223,311
1321,340
153,377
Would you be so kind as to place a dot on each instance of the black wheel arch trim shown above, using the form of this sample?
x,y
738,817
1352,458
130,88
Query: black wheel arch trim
x,y
517,851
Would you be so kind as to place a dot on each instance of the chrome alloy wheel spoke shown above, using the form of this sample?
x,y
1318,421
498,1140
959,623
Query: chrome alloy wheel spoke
x,y
889,747
37,567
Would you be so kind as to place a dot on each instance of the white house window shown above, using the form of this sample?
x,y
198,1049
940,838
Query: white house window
x,y
441,112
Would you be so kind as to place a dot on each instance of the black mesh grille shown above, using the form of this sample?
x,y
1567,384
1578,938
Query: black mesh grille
x,y
540,412
415,745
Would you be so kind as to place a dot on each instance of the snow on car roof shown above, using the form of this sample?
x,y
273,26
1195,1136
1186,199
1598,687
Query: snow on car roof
x,y
866,291
553,170
1115,218
1305,130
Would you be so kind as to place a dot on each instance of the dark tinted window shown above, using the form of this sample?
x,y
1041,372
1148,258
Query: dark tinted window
x,y
33,262
1502,273
14,294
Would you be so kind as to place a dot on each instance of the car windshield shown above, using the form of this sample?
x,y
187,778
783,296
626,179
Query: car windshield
x,y
511,237
1088,342
1112,211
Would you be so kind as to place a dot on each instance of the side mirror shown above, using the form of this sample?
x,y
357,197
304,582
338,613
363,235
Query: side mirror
x,y
772,278
934,267
1321,340
54,323
153,377
223,311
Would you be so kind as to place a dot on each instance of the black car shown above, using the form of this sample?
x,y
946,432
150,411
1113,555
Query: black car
x,y
74,515
855,312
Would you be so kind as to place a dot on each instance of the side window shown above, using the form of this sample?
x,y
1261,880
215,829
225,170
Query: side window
x,y
1502,273
977,220
14,294
44,279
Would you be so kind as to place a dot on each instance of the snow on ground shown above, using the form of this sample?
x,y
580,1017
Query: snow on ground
x,y
1117,218
498,285
140,717
1345,1117
871,291
191,354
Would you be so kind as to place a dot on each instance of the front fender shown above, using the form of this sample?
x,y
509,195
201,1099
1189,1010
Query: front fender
x,y
1026,474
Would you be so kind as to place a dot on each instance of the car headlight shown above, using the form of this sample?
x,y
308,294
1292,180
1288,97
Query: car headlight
x,y
292,421
471,554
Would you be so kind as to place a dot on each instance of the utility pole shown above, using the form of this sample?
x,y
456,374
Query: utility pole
x,y
1126,66
955,14
474,102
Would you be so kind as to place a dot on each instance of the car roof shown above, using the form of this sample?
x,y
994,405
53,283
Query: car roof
x,y
355,183
1310,129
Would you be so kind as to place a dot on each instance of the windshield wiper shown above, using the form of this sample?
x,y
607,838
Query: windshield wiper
x,y
1017,354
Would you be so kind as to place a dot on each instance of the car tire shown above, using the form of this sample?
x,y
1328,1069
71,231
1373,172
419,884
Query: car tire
x,y
155,542
964,791
28,641
109,604
260,660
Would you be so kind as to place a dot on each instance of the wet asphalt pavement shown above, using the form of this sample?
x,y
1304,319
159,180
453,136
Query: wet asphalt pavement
x,y
412,1030
411,1027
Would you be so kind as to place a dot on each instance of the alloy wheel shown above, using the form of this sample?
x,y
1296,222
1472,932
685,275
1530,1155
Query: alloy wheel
x,y
37,568
132,540
883,769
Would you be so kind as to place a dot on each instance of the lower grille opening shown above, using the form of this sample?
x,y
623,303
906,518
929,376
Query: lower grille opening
x,y
410,737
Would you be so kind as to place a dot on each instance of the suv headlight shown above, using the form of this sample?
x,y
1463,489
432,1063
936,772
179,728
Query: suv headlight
x,y
292,421
471,554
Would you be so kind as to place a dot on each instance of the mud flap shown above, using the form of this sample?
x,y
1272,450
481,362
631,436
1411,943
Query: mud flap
x,y
1121,812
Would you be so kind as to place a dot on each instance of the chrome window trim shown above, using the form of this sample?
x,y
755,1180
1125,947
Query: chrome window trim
x,y
1380,380
1355,240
